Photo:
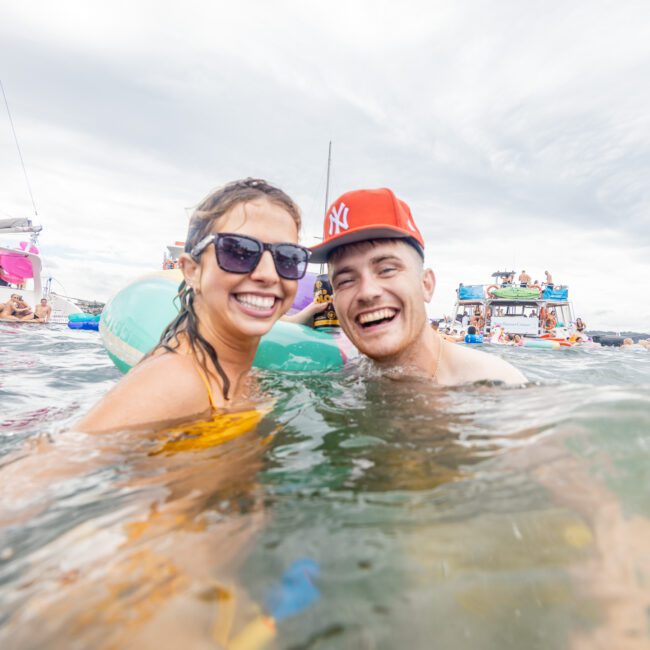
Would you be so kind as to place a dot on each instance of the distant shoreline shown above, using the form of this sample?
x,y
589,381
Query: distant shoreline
x,y
635,336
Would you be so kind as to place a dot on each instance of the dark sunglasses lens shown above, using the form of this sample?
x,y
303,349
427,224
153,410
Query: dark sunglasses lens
x,y
237,254
291,261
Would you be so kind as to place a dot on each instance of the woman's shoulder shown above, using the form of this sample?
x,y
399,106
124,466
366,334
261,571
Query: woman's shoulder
x,y
178,374
165,387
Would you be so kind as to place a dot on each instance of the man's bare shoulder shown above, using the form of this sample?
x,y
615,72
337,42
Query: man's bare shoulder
x,y
461,365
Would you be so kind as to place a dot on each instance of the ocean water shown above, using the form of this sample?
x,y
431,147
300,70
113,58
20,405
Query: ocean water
x,y
361,511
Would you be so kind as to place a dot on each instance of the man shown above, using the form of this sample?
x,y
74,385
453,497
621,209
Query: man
x,y
549,279
375,256
524,279
43,311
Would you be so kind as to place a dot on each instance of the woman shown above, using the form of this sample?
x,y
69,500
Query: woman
x,y
241,268
477,319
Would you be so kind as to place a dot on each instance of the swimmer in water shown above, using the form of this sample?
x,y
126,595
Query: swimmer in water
x,y
241,267
376,267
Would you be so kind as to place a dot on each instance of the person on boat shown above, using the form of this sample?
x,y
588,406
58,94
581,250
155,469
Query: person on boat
x,y
524,279
549,280
550,321
21,310
375,256
241,267
580,325
7,310
43,311
477,319
533,314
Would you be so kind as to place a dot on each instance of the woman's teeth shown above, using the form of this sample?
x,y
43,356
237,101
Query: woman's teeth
x,y
255,301
377,315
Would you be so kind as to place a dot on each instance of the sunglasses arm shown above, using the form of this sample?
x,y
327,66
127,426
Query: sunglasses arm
x,y
201,246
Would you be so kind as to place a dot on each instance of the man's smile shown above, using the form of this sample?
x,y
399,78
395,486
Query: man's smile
x,y
377,317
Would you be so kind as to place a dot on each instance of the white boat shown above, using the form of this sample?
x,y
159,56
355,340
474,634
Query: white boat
x,y
171,255
21,269
514,309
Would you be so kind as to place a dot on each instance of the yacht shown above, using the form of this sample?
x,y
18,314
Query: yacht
x,y
515,309
21,267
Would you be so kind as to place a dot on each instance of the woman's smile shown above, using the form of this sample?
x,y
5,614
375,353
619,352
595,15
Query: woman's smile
x,y
256,304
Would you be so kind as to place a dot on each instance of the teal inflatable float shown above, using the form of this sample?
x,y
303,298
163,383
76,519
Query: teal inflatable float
x,y
82,321
134,319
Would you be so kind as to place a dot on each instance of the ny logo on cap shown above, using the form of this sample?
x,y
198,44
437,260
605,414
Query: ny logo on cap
x,y
339,219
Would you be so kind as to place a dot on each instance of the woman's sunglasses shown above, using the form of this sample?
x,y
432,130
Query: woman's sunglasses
x,y
241,254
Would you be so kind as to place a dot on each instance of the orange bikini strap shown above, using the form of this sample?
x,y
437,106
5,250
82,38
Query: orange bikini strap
x,y
206,381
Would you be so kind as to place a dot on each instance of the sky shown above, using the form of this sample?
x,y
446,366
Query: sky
x,y
518,132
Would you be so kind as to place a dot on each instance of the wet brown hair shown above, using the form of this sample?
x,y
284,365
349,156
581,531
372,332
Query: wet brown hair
x,y
214,206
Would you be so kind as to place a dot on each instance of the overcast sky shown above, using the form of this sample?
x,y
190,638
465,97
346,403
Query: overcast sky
x,y
518,132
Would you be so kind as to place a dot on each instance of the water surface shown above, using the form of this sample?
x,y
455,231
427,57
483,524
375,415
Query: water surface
x,y
475,517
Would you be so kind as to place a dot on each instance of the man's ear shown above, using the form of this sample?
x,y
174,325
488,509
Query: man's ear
x,y
191,270
428,284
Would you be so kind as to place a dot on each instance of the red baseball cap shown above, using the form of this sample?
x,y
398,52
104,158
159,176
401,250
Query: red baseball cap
x,y
366,214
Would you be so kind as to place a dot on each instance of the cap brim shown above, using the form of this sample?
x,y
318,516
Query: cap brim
x,y
321,252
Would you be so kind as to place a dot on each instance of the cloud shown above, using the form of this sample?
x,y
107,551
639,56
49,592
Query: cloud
x,y
515,131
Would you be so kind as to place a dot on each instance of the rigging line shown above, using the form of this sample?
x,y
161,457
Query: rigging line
x,y
20,155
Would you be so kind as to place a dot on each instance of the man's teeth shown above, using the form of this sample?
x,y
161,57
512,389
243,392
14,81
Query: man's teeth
x,y
255,301
379,314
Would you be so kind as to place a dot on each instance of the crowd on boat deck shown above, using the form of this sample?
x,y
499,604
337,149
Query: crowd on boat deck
x,y
479,321
508,280
17,309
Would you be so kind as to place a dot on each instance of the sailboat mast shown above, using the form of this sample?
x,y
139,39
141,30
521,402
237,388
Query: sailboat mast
x,y
20,155
327,184
327,190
